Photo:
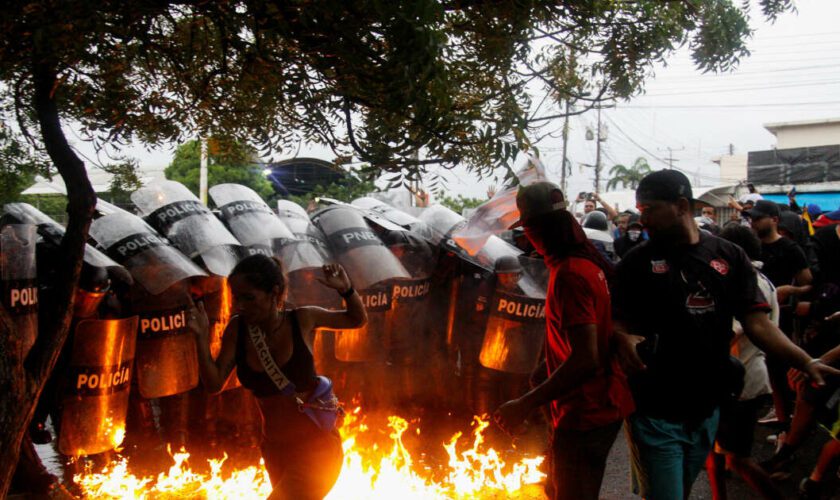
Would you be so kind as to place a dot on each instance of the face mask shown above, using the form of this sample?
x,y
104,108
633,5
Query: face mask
x,y
634,234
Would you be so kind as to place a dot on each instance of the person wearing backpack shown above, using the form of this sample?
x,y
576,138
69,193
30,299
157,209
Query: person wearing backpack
x,y
674,299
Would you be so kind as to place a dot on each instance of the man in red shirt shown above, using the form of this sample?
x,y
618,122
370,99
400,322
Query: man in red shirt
x,y
587,390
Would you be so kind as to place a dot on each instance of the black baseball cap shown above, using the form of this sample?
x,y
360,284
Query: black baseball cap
x,y
764,208
664,185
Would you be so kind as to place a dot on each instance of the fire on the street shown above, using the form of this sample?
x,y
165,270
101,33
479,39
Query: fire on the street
x,y
369,472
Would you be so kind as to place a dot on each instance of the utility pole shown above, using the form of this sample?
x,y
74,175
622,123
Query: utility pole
x,y
565,148
599,138
671,159
598,154
202,173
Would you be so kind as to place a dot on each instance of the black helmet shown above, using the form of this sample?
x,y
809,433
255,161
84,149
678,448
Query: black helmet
x,y
595,220
507,264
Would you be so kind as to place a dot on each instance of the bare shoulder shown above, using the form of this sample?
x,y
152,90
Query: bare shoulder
x,y
232,327
308,316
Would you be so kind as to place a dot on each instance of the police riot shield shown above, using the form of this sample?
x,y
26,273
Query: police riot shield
x,y
367,343
515,330
18,275
167,358
391,213
152,261
52,232
359,250
396,216
250,219
95,399
307,254
177,214
405,335
310,248
442,221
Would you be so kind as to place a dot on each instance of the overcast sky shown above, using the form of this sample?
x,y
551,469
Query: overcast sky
x,y
792,74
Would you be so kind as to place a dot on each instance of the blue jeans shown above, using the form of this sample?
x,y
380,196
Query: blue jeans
x,y
667,456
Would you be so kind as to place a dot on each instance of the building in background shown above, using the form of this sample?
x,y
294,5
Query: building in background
x,y
300,176
807,157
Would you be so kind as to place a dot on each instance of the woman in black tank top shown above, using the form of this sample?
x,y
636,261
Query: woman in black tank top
x,y
302,461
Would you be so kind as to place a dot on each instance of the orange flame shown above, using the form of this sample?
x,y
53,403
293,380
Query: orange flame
x,y
369,472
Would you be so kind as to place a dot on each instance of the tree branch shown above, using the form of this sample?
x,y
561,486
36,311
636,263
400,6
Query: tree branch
x,y
81,203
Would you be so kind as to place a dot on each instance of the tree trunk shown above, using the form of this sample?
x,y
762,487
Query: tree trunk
x,y
25,378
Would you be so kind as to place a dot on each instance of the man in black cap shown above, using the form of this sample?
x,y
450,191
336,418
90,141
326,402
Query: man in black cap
x,y
674,299
785,264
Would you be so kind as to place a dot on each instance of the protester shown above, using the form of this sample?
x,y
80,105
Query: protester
x,y
586,388
596,228
786,265
824,343
709,212
810,488
621,224
679,355
590,203
634,236
303,457
734,438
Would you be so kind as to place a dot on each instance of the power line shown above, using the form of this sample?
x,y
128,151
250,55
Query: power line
x,y
665,162
751,73
747,89
727,106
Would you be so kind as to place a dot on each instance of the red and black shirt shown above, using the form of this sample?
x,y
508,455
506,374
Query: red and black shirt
x,y
684,297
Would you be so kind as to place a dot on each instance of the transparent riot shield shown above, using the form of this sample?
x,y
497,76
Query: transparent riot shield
x,y
53,232
18,279
167,358
95,399
306,254
248,217
359,250
152,261
367,343
391,213
178,214
407,322
442,221
515,332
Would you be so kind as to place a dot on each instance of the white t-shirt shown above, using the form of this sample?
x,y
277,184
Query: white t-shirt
x,y
756,380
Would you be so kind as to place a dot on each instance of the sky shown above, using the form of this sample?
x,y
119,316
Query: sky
x,y
793,73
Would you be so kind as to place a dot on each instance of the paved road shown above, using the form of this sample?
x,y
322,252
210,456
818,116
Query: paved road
x,y
616,480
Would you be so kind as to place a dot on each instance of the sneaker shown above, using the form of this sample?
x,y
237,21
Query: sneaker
x,y
770,418
809,490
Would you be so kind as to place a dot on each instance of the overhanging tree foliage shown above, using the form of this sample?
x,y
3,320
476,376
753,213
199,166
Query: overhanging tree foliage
x,y
399,85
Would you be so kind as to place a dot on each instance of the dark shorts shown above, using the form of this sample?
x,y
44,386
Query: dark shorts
x,y
579,459
737,426
306,469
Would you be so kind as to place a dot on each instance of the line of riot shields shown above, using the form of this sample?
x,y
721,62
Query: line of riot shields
x,y
446,331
